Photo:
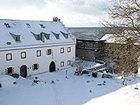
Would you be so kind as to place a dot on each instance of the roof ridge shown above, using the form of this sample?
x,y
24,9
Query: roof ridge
x,y
25,20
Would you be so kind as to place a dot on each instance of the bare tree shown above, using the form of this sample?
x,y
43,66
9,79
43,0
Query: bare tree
x,y
79,67
125,14
123,57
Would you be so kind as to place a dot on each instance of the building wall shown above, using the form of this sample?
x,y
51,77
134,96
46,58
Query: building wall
x,y
31,58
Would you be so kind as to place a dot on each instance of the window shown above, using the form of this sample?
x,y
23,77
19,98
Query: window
x,y
65,35
9,56
10,70
47,36
69,49
39,36
8,43
62,64
62,50
56,35
42,26
35,66
7,25
38,53
16,37
49,52
28,25
23,55
69,62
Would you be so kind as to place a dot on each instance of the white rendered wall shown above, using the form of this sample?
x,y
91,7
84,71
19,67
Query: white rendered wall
x,y
31,58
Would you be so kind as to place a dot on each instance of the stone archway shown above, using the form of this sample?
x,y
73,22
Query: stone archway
x,y
23,71
52,67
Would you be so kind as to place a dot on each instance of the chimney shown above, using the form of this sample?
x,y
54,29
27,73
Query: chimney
x,y
56,19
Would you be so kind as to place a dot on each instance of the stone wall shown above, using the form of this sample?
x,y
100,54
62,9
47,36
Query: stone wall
x,y
117,56
90,50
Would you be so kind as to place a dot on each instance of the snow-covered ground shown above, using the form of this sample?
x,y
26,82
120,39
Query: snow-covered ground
x,y
70,90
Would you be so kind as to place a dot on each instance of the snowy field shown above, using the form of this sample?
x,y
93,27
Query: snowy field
x,y
70,90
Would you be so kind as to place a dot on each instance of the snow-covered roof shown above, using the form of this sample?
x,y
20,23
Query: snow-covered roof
x,y
25,33
112,38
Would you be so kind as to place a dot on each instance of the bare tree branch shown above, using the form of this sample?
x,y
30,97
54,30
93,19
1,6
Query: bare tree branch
x,y
125,14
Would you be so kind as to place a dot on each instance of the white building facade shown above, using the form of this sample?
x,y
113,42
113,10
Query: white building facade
x,y
32,47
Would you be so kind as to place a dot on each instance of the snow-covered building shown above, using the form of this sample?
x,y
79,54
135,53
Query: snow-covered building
x,y
31,47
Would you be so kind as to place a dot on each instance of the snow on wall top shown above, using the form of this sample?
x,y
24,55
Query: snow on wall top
x,y
111,38
25,33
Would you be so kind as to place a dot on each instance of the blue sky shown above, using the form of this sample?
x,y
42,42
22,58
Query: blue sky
x,y
73,13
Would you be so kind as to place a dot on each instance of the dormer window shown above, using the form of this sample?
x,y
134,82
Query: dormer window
x,y
39,37
28,25
65,35
56,35
17,38
42,26
7,25
47,36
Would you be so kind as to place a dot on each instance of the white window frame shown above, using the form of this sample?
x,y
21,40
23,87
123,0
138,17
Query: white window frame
x,y
69,49
62,64
8,56
69,62
62,50
23,55
38,53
